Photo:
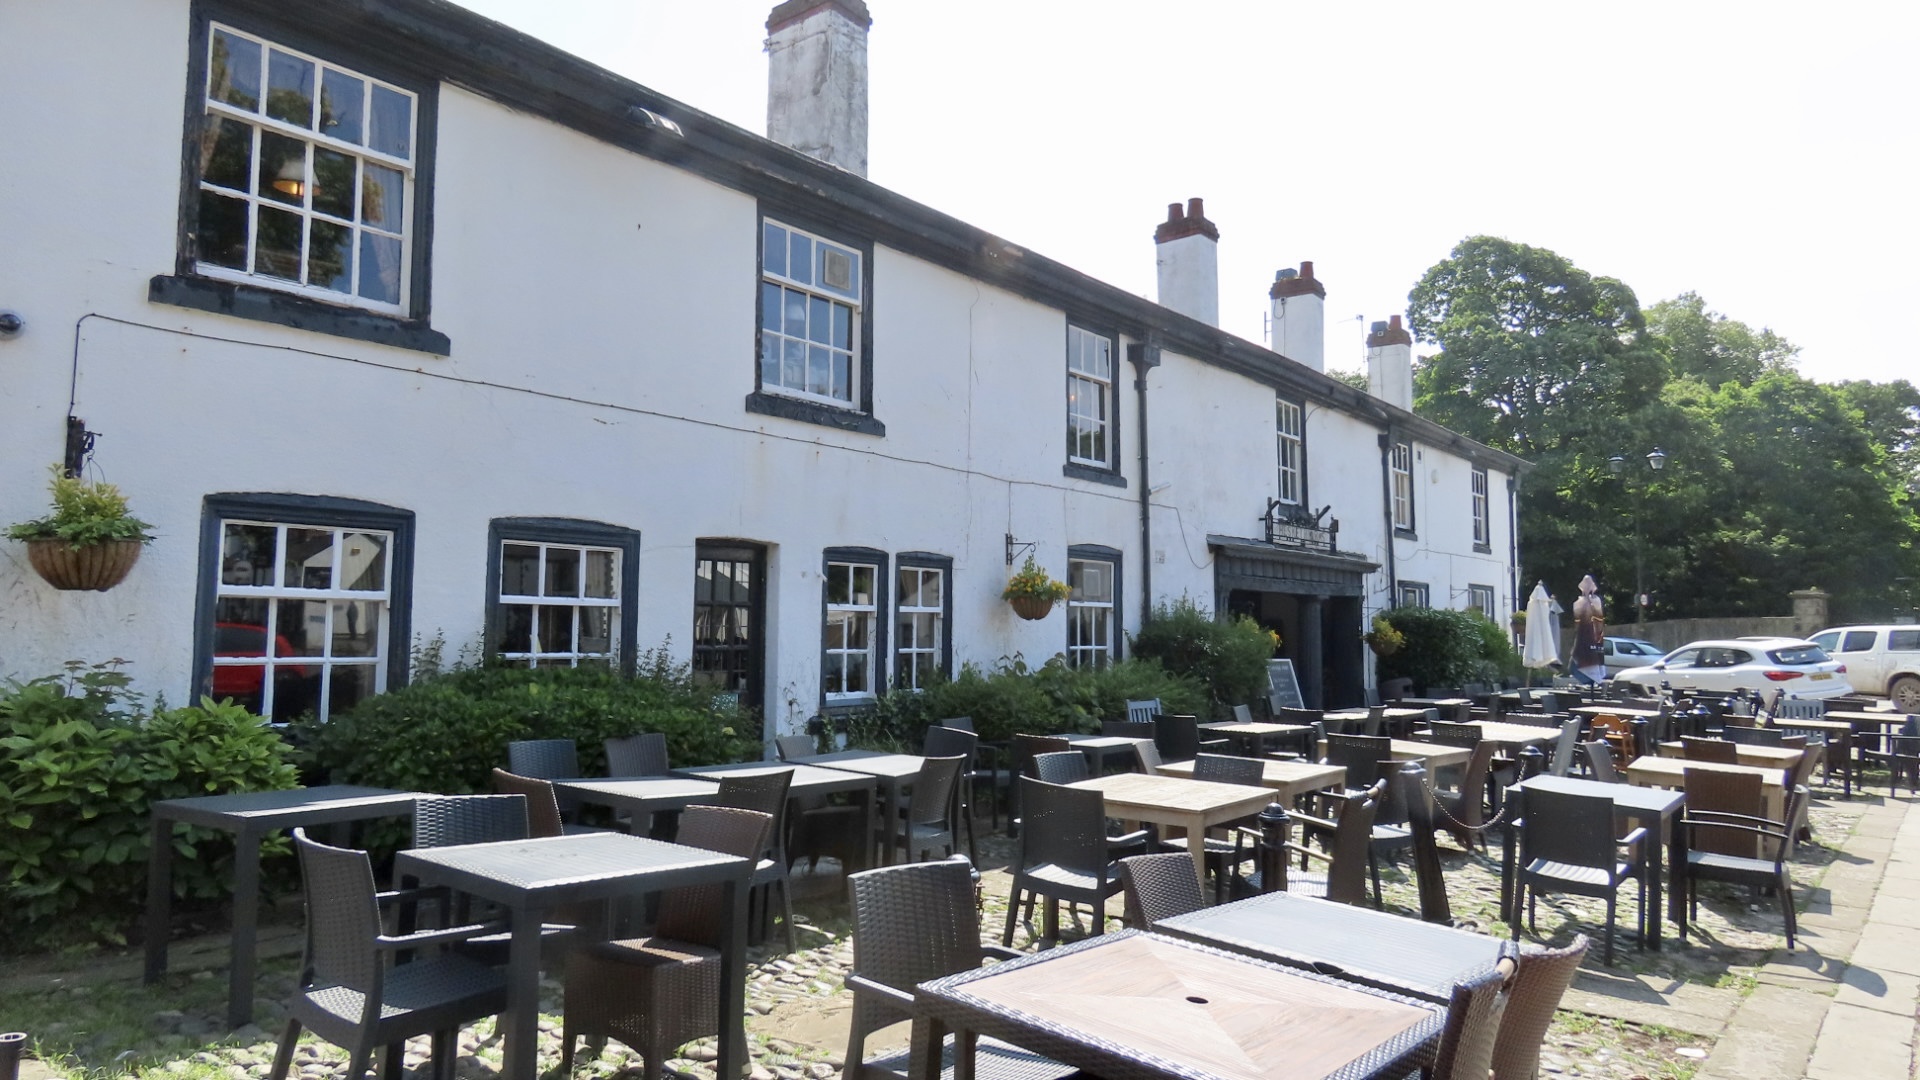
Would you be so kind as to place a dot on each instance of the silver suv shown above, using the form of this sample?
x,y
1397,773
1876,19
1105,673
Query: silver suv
x,y
1881,660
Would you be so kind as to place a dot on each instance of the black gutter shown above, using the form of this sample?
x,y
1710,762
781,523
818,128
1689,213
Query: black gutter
x,y
1144,357
1386,511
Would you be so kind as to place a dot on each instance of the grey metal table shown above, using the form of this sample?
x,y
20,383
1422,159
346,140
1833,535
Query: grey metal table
x,y
640,796
890,771
1655,809
250,816
1353,944
1100,749
531,877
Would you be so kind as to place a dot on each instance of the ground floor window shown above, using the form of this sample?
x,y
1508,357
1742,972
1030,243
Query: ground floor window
x,y
1411,594
1093,575
922,607
1480,598
561,592
850,640
727,588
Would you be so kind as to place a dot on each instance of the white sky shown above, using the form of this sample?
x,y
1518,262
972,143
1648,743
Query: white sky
x,y
1761,154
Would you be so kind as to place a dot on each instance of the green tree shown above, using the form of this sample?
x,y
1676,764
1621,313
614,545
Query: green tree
x,y
1712,348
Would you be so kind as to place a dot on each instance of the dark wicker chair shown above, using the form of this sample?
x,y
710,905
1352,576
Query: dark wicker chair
x,y
1600,762
1221,769
1721,793
1063,855
926,822
644,754
1416,797
1059,767
352,993
1345,879
543,812
794,747
940,742
654,993
1178,737
1540,980
1474,1014
989,767
766,793
1463,809
1567,844
912,924
821,826
544,759
1717,751
1160,887
1773,842
1227,769
444,820
1020,761
1565,747
1360,755
1753,736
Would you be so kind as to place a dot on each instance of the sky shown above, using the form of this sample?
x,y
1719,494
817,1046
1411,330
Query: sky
x,y
1761,154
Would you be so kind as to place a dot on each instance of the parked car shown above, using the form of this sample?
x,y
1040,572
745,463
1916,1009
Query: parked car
x,y
1799,668
1881,660
1621,653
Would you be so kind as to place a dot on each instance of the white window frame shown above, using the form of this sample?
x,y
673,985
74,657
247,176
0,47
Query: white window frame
x,y
332,600
1090,396
578,603
1401,466
817,295
835,658
914,659
1482,510
1482,598
1092,622
357,228
1413,594
1290,440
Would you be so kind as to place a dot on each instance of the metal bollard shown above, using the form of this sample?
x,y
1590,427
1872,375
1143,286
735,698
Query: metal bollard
x,y
11,1045
1274,828
1532,763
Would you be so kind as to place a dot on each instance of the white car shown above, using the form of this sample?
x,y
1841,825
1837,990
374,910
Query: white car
x,y
1621,653
1881,660
1764,664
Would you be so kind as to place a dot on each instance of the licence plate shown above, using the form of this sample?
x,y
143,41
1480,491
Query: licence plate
x,y
1821,675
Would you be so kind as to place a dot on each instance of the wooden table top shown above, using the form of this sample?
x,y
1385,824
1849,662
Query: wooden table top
x,y
1625,712
1516,734
1254,727
1289,778
1760,757
1391,712
871,762
1884,719
1651,771
1128,793
1435,755
1835,727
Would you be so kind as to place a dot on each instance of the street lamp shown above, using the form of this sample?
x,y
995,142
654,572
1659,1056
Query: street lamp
x,y
1617,464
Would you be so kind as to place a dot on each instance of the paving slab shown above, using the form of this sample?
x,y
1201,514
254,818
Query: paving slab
x,y
1896,907
1885,991
1693,1009
1862,1044
1884,946
1772,1035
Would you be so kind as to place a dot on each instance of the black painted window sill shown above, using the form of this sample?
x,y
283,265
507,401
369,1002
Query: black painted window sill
x,y
1405,533
1076,471
1484,549
808,412
284,309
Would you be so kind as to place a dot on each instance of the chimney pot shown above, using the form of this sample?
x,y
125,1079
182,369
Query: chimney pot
x,y
1394,322
1174,212
1196,208
1306,268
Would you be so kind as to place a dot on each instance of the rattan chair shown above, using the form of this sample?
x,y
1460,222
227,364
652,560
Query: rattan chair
x,y
657,992
912,924
644,754
1127,729
941,741
352,991
1715,792
989,767
1463,809
1023,749
1345,879
766,793
543,811
1063,855
1068,767
1565,747
1753,736
445,820
1409,783
1221,769
544,759
1360,755
1148,755
1568,844
1159,887
1178,737
1713,751
926,822
1540,980
1474,1014
1763,863
794,747
1600,762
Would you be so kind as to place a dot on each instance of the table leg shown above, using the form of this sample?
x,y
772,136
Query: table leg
x,y
1197,845
159,895
1507,914
246,922
893,822
520,1024
733,1059
1652,929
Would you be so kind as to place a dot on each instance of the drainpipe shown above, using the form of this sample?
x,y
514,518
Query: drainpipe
x,y
1144,357
1386,512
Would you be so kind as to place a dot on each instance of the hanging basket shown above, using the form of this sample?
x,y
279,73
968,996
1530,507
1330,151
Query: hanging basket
x,y
89,568
1030,607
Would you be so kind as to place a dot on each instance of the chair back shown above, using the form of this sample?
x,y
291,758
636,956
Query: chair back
x,y
1409,785
644,754
1600,761
941,741
1143,712
1798,709
1540,980
544,759
1303,717
1755,736
1713,792
789,747
1360,755
911,924
1177,735
1473,1026
1352,835
1028,747
446,820
1563,750
1568,828
767,793
1060,767
692,913
1160,887
1449,733
1243,714
1718,751
932,800
1395,689
1063,826
1226,769
964,723
543,808
343,915
1148,753
1127,729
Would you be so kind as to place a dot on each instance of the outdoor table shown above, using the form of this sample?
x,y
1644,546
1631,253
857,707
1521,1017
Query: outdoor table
x,y
530,878
1193,805
1134,1006
1869,718
250,816
1430,702
808,780
1100,749
1839,736
639,796
1651,771
1760,757
1252,736
1435,755
890,771
1513,735
1399,721
1288,779
1624,712
1648,808
1353,944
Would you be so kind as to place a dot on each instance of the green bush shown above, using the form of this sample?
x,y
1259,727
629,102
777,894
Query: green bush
x,y
82,765
1012,697
1499,659
1443,648
1228,655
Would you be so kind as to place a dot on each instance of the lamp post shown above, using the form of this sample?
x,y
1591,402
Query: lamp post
x,y
1656,460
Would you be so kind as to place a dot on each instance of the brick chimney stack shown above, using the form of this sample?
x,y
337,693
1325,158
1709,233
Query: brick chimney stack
x,y
817,80
1390,364
1300,316
1188,253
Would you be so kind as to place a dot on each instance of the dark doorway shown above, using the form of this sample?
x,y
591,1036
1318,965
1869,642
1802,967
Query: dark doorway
x,y
729,617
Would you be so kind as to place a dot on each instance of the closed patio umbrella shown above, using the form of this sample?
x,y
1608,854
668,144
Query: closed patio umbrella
x,y
1541,649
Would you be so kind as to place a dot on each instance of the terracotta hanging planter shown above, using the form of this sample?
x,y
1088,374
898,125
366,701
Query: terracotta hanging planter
x,y
1030,607
90,568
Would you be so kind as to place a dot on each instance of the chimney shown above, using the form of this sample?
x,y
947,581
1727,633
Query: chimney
x,y
817,80
1188,252
1390,364
1300,316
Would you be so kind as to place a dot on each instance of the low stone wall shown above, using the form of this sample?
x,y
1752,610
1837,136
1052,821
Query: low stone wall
x,y
1673,633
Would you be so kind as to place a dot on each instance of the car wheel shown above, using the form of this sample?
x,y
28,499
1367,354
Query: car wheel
x,y
1905,693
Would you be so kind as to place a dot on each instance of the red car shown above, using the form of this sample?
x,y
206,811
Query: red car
x,y
241,639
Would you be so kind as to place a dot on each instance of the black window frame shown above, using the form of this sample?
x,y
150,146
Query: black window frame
x,y
185,287
323,510
1079,470
927,560
882,622
1482,505
1493,599
1419,591
1411,530
587,533
857,417
1306,497
1101,553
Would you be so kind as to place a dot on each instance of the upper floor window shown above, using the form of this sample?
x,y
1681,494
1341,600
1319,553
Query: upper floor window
x,y
1482,512
850,639
1411,594
810,300
306,175
1089,398
1480,598
1402,469
1288,433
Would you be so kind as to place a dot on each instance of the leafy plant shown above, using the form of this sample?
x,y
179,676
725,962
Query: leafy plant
x,y
1012,696
85,512
1033,583
1228,655
1383,639
1441,648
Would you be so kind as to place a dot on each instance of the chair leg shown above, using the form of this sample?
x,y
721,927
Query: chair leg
x,y
1373,867
1785,889
786,911
1608,959
1050,926
357,1062
393,1060
283,1057
1013,913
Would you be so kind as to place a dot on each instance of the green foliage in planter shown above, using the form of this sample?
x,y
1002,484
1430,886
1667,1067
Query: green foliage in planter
x,y
1499,659
448,732
1228,655
1448,648
1034,583
1013,697
84,513
81,763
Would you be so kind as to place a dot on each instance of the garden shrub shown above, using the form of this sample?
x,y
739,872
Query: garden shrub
x,y
1228,655
1012,697
1442,649
83,763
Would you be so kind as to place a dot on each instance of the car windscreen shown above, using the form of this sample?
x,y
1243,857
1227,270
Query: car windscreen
x,y
1799,654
